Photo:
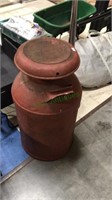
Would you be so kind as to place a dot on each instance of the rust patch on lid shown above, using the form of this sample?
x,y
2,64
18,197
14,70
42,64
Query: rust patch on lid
x,y
47,50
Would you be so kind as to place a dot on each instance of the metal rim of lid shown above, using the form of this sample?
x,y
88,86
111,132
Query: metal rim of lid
x,y
55,69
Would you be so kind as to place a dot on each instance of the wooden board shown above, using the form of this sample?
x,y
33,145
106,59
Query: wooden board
x,y
56,1
92,100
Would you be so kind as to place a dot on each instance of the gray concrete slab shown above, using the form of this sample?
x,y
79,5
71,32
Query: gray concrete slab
x,y
85,173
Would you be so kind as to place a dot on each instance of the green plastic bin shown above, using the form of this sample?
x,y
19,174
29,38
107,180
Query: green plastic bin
x,y
56,19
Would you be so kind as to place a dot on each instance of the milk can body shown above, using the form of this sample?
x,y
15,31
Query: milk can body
x,y
47,96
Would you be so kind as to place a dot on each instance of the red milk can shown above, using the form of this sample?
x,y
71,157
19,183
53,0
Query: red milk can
x,y
47,96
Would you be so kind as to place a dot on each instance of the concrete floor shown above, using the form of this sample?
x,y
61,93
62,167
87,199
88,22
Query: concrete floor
x,y
85,173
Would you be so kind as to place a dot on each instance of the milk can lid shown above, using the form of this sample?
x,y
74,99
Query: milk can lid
x,y
47,58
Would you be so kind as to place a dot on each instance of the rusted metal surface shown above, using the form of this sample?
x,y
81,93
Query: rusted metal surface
x,y
46,109
59,58
47,51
